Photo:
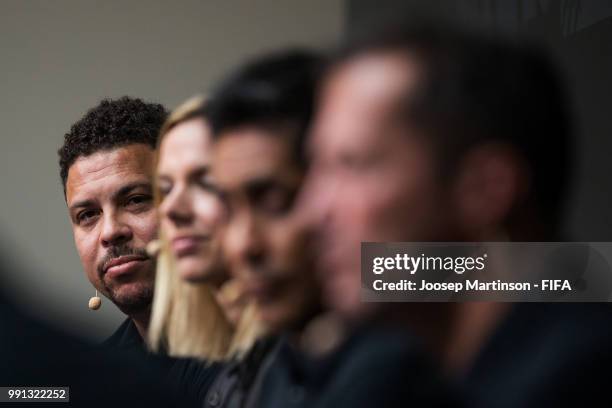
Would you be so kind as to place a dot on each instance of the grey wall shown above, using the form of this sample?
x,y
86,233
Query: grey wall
x,y
59,58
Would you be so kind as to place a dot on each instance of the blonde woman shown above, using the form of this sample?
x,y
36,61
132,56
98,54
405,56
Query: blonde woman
x,y
187,320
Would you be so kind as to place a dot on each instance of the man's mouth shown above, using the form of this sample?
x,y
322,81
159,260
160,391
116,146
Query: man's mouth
x,y
263,290
123,265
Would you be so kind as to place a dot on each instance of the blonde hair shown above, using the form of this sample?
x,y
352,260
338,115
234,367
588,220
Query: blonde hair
x,y
248,329
186,318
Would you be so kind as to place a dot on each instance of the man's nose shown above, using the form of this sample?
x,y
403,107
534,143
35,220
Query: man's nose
x,y
315,199
177,206
115,231
244,240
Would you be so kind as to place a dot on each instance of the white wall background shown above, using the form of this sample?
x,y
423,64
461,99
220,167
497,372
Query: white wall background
x,y
59,58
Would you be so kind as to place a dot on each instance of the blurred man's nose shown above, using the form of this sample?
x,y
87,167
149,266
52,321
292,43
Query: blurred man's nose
x,y
177,206
244,240
314,202
115,231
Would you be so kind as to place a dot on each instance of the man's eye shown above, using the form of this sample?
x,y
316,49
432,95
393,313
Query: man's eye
x,y
207,184
354,161
85,217
275,201
138,200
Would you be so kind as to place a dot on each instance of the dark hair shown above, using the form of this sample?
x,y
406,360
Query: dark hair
x,y
113,123
477,88
270,91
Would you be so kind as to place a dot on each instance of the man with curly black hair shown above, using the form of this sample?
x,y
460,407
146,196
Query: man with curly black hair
x,y
106,166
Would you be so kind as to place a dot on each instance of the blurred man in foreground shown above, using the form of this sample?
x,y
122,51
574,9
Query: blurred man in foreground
x,y
260,119
433,134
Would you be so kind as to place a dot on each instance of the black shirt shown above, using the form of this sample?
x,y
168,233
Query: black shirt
x,y
373,368
187,376
239,383
126,337
35,355
546,354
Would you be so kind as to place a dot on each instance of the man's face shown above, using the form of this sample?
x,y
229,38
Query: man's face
x,y
263,243
373,177
110,203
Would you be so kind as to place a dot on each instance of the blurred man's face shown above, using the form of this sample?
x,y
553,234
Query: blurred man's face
x,y
191,210
372,178
110,203
263,243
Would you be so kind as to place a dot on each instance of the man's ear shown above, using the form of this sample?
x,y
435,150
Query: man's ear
x,y
490,181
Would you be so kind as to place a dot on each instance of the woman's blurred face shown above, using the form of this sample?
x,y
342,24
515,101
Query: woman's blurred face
x,y
190,208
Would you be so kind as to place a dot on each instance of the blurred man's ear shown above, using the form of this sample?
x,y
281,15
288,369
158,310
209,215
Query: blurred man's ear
x,y
491,180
